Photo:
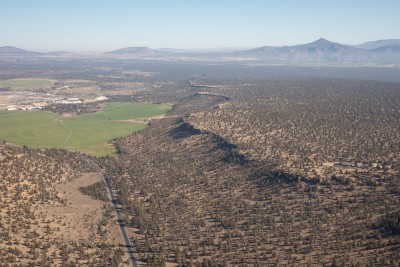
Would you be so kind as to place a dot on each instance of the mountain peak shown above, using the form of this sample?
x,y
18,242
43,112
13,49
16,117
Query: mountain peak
x,y
324,45
322,41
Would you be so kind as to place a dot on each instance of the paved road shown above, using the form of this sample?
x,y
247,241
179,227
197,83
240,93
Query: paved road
x,y
114,201
118,213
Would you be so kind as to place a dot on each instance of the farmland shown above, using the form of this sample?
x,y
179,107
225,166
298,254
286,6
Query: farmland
x,y
89,133
22,84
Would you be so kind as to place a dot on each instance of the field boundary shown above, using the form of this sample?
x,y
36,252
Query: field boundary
x,y
66,139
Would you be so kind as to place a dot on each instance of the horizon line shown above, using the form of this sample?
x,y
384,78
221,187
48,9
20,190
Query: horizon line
x,y
202,49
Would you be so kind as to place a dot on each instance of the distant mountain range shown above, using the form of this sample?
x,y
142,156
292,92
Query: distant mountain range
x,y
323,50
319,51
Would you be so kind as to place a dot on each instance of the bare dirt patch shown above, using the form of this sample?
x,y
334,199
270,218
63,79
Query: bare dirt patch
x,y
80,213
144,120
81,219
147,119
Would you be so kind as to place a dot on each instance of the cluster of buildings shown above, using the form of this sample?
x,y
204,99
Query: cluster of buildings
x,y
65,101
33,106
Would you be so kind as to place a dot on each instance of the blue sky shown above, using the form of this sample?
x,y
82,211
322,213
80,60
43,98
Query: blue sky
x,y
99,25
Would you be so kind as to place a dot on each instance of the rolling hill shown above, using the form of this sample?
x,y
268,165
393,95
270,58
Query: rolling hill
x,y
140,51
378,44
14,51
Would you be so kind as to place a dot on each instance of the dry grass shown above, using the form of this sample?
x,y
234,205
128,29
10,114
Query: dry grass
x,y
45,220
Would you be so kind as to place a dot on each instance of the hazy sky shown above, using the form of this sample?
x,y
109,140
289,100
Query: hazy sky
x,y
98,25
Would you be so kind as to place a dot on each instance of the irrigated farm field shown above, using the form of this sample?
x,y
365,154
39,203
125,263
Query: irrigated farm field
x,y
88,133
27,83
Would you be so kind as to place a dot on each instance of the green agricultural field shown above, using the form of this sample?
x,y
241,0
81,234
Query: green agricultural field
x,y
22,84
88,133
